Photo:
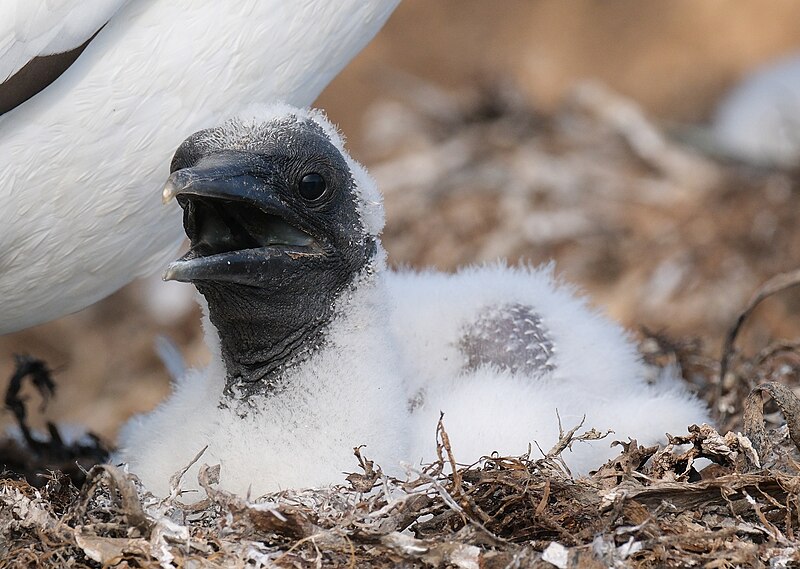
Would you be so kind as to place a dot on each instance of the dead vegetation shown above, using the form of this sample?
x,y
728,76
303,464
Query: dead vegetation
x,y
657,226
649,507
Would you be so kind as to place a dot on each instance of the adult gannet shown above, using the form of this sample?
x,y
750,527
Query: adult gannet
x,y
81,153
317,347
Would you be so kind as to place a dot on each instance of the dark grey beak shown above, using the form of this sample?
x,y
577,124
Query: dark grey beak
x,y
235,220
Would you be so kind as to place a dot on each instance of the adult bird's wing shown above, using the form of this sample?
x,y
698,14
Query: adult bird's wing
x,y
40,39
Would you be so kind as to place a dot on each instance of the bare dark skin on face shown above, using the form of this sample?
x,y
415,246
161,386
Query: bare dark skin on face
x,y
275,238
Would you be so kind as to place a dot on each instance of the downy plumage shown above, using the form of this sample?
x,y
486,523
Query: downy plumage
x,y
317,347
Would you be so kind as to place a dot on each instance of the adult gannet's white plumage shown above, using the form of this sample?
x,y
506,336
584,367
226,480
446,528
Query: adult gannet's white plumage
x,y
318,347
31,29
79,161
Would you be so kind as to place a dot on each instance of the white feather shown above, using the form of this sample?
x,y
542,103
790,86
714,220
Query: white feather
x,y
302,436
759,120
597,371
33,28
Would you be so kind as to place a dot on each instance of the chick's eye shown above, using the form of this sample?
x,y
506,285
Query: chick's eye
x,y
312,187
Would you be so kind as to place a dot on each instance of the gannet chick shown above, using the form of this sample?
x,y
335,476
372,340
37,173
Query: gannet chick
x,y
284,248
318,347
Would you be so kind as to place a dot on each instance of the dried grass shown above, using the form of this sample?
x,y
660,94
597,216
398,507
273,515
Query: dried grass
x,y
648,507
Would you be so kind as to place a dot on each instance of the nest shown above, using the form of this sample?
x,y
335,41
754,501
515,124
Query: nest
x,y
648,507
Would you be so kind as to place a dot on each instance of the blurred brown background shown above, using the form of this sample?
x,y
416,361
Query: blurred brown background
x,y
674,59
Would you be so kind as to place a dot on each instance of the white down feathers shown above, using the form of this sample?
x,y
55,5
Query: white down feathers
x,y
302,436
593,369
499,350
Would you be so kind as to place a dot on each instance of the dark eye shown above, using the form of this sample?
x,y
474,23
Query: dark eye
x,y
312,187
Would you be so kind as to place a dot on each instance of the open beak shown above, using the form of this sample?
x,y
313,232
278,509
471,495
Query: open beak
x,y
235,221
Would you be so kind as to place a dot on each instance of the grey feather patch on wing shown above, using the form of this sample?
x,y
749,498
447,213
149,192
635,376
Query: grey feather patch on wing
x,y
510,337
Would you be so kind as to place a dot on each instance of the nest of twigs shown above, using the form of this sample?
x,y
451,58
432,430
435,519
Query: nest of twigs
x,y
648,507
